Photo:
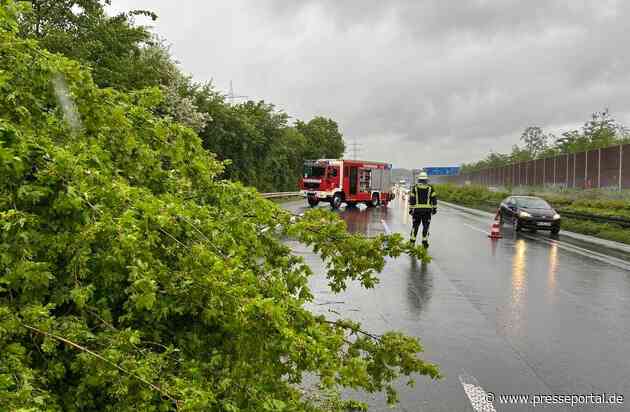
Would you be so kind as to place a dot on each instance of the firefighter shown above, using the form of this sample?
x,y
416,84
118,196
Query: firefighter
x,y
422,205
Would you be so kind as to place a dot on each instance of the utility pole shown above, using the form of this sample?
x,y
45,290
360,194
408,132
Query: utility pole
x,y
232,96
355,149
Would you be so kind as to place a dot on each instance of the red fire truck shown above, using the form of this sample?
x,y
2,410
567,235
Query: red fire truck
x,y
349,181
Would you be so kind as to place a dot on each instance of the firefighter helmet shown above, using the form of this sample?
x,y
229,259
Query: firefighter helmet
x,y
423,177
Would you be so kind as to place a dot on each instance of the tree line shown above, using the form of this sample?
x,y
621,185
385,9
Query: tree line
x,y
601,131
261,148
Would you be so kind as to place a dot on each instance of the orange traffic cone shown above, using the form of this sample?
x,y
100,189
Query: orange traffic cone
x,y
495,232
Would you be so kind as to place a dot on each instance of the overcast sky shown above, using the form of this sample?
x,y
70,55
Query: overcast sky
x,y
417,83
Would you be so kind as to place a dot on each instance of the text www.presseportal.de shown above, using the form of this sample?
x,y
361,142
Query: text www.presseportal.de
x,y
572,400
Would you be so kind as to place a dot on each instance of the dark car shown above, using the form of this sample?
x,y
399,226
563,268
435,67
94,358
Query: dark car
x,y
529,212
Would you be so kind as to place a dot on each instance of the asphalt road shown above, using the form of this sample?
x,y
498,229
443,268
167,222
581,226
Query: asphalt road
x,y
526,314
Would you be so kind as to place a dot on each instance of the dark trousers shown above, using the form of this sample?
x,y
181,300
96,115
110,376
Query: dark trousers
x,y
421,216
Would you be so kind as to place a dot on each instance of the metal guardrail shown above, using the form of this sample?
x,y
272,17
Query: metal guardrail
x,y
280,194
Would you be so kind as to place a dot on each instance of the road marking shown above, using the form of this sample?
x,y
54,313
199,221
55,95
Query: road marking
x,y
620,263
385,226
478,397
613,261
476,228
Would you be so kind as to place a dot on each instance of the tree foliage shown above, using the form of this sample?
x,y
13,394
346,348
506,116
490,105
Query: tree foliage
x,y
325,140
535,141
602,130
113,47
133,278
264,150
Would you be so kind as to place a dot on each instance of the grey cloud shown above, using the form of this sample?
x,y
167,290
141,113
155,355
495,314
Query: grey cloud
x,y
415,82
437,17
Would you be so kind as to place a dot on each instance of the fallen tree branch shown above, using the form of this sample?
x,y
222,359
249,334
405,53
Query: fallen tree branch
x,y
357,330
102,358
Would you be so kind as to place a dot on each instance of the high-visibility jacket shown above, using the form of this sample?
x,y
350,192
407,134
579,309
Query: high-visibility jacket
x,y
423,196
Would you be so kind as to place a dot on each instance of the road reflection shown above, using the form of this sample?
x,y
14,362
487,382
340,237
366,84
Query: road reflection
x,y
519,286
366,221
493,248
357,219
545,314
419,286
553,270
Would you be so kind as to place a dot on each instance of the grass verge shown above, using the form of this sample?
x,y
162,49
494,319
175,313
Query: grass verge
x,y
479,197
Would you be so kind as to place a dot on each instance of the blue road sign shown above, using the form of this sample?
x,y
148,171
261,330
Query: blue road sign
x,y
442,171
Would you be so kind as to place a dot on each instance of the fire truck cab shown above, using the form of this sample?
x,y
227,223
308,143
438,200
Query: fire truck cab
x,y
346,181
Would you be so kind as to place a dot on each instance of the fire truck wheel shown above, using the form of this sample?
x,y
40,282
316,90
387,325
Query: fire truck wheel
x,y
374,202
336,201
313,201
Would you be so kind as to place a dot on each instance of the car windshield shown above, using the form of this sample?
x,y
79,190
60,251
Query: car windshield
x,y
314,171
532,203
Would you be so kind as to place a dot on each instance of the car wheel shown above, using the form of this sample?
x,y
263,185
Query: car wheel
x,y
336,201
517,226
555,231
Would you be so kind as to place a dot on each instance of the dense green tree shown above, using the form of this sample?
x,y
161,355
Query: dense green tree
x,y
496,159
285,162
180,103
132,278
602,130
51,20
253,136
262,148
324,140
118,52
520,154
246,134
492,160
535,141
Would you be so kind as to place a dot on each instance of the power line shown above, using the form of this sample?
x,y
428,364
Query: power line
x,y
356,149
232,96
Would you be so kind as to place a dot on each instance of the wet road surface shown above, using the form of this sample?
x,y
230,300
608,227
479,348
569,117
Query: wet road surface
x,y
526,314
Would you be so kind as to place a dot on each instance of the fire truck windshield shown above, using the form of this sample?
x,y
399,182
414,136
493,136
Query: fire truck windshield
x,y
314,171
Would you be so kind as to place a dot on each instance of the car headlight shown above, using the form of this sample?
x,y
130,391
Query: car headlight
x,y
556,216
524,214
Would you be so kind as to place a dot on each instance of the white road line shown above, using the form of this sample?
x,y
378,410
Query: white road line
x,y
613,261
620,263
480,400
476,228
386,226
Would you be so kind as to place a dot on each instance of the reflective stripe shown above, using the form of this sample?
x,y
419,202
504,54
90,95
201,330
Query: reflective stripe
x,y
430,195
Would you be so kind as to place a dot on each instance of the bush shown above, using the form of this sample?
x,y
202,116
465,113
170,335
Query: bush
x,y
469,195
